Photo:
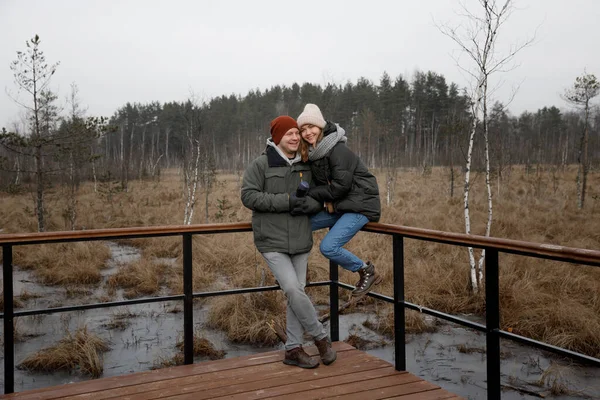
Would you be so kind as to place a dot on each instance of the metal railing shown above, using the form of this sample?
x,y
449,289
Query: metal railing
x,y
493,247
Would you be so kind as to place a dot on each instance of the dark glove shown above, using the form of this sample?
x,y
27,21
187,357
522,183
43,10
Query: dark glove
x,y
295,201
311,206
308,207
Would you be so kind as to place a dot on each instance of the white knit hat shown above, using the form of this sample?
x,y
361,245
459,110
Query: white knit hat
x,y
311,115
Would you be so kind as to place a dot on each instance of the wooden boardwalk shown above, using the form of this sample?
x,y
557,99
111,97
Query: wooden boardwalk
x,y
355,375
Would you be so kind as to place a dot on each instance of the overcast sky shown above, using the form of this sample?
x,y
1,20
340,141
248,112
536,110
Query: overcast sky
x,y
143,50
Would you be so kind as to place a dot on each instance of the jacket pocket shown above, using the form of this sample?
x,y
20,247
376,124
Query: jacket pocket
x,y
275,182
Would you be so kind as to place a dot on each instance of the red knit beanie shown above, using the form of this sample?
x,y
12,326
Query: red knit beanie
x,y
280,125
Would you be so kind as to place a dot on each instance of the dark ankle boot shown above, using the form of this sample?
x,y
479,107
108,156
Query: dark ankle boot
x,y
298,357
368,278
328,355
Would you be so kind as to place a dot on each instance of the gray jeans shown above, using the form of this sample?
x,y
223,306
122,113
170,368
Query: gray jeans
x,y
290,272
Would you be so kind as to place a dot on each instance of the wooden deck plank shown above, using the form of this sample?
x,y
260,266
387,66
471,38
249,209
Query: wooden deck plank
x,y
62,391
354,375
363,382
437,394
268,369
257,377
374,391
279,387
59,392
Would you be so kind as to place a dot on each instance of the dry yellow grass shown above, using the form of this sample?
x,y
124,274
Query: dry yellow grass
x,y
244,317
203,347
64,263
17,303
383,322
550,301
165,362
140,278
80,351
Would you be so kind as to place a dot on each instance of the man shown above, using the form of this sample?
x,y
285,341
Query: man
x,y
283,235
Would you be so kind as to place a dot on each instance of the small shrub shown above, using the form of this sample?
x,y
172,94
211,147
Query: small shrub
x,y
79,351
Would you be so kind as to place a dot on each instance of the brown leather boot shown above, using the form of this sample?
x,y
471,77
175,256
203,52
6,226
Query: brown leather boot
x,y
368,278
298,357
328,355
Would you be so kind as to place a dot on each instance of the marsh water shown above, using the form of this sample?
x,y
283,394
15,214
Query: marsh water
x,y
142,336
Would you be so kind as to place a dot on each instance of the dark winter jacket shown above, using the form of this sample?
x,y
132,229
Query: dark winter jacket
x,y
268,182
341,178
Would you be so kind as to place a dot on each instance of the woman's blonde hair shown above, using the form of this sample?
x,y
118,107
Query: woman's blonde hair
x,y
304,145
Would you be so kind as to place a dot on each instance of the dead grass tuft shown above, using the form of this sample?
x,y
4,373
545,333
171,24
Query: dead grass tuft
x,y
243,317
140,278
360,343
73,292
466,349
120,320
64,263
26,295
384,322
80,351
357,342
22,334
203,347
555,379
165,362
17,303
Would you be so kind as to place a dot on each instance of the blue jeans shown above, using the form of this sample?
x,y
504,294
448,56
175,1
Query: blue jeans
x,y
343,228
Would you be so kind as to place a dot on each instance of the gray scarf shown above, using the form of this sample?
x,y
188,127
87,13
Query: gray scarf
x,y
326,144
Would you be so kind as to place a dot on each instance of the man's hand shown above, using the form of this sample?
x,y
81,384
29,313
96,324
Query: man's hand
x,y
295,201
307,207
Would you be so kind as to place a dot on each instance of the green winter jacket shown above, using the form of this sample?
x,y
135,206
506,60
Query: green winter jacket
x,y
268,182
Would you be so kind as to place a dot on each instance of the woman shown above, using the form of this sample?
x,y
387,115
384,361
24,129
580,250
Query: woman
x,y
346,186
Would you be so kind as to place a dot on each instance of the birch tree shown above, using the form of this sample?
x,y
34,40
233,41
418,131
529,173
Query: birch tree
x,y
477,39
191,160
191,178
585,88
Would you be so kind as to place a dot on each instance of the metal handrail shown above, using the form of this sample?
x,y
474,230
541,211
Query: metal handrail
x,y
493,247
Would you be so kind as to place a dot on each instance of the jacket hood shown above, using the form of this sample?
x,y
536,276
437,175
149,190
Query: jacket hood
x,y
272,156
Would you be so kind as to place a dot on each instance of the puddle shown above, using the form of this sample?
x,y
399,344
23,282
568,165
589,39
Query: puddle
x,y
436,358
152,330
120,254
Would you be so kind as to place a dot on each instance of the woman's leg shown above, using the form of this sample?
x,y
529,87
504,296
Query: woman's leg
x,y
323,219
290,272
341,232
